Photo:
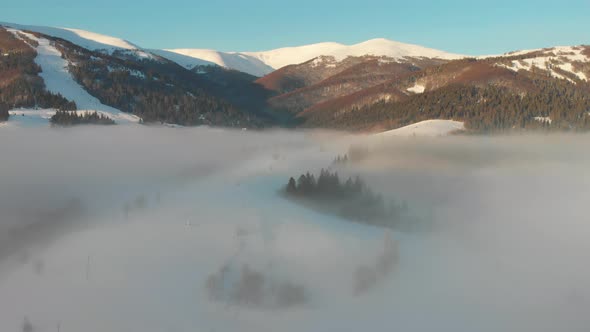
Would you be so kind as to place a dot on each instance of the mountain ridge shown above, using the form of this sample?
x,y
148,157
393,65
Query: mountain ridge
x,y
281,57
373,85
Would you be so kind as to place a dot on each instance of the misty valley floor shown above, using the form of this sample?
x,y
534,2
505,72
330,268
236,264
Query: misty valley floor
x,y
164,209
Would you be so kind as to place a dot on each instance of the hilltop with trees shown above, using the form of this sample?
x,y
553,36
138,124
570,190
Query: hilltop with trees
x,y
351,199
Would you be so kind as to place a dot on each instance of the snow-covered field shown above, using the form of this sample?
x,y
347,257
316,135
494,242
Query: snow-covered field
x,y
505,250
426,128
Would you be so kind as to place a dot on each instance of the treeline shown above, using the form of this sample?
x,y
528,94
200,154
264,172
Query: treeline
x,y
351,199
71,118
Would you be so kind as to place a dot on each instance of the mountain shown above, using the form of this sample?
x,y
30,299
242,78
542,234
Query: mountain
x,y
262,63
325,78
118,79
540,89
86,39
377,85
191,58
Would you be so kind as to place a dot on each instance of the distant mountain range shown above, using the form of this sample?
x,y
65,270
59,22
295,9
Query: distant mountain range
x,y
371,86
263,63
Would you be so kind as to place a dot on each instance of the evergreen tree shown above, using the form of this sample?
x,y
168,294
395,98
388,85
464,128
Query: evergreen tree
x,y
291,186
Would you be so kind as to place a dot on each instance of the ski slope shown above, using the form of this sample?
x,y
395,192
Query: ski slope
x,y
58,79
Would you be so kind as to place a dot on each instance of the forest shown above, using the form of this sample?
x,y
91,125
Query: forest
x,y
487,109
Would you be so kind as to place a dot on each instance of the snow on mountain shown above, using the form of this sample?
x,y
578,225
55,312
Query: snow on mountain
x,y
568,59
58,79
86,39
189,58
90,40
430,128
262,63
378,47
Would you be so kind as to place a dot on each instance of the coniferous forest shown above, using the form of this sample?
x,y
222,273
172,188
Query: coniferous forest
x,y
488,109
71,118
351,199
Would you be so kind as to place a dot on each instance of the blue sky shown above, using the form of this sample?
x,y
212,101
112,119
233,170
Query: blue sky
x,y
469,27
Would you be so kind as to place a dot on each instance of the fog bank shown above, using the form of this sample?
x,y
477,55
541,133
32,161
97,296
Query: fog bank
x,y
162,229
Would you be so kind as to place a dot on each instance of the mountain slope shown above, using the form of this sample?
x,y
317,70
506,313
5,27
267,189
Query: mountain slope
x,y
564,62
371,86
59,81
544,89
122,84
190,58
86,39
323,79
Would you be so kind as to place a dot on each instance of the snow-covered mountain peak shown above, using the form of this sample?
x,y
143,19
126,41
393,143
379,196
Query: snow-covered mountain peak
x,y
264,62
87,39
255,63
111,42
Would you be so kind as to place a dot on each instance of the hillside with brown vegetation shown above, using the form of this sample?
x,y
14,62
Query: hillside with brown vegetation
x,y
366,72
540,89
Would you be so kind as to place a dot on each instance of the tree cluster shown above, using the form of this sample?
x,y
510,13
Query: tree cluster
x,y
71,118
351,199
254,288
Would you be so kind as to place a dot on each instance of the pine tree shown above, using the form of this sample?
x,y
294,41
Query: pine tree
x,y
291,186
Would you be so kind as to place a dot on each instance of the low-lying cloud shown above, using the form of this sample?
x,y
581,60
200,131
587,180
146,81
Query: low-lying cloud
x,y
160,229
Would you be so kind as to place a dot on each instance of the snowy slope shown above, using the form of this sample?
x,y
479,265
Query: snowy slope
x,y
189,58
89,40
379,47
262,63
426,128
569,59
58,80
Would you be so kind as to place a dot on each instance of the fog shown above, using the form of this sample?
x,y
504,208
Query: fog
x,y
168,229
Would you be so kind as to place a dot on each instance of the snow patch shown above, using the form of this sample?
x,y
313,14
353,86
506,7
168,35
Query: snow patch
x,y
560,57
429,128
418,88
544,119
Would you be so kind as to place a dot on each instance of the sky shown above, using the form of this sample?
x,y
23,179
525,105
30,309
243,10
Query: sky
x,y
460,26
